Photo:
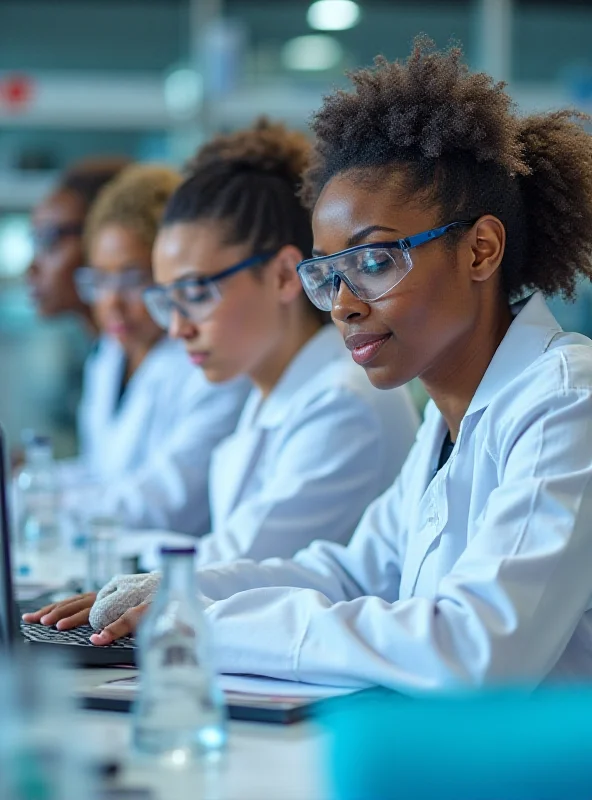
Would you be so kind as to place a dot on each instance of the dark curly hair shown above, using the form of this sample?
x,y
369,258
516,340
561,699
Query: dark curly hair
x,y
249,181
462,147
86,178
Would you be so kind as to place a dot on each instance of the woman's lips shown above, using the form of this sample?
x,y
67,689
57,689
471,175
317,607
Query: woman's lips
x,y
197,358
365,346
117,328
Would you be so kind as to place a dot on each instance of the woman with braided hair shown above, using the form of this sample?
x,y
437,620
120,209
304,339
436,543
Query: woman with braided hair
x,y
441,219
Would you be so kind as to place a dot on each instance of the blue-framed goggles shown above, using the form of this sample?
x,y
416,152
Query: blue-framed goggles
x,y
92,284
369,270
194,298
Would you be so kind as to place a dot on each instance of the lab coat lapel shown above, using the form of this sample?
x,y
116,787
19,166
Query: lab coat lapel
x,y
235,458
528,336
232,462
431,510
131,423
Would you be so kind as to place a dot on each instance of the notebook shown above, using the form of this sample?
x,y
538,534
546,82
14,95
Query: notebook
x,y
248,697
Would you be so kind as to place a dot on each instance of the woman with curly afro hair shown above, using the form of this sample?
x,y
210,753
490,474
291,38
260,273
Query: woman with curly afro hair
x,y
441,219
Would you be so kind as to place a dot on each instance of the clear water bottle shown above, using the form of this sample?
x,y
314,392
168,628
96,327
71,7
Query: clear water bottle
x,y
180,712
37,497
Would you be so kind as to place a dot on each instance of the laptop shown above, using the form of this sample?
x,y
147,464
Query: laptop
x,y
15,633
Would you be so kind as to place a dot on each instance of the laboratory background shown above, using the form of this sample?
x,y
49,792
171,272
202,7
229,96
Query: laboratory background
x,y
150,80
193,469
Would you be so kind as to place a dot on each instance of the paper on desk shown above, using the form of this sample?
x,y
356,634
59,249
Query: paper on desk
x,y
256,685
251,685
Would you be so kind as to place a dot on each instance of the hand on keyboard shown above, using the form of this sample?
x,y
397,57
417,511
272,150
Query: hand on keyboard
x,y
66,614
123,626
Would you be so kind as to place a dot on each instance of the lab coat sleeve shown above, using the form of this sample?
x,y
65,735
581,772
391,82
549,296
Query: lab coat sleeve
x,y
340,572
171,489
324,476
504,613
369,564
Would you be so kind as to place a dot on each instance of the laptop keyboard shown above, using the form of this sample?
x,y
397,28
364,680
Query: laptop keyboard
x,y
77,636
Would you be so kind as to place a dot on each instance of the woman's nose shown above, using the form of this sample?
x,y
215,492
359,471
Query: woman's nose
x,y
180,327
112,297
33,269
347,305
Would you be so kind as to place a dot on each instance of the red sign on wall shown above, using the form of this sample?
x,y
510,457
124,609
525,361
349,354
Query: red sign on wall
x,y
16,92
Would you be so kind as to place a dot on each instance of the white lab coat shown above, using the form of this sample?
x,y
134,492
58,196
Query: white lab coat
x,y
306,462
146,461
481,574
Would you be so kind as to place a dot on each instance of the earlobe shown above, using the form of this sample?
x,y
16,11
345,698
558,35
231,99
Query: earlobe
x,y
488,245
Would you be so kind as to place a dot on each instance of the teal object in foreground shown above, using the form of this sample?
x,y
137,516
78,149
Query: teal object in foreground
x,y
497,745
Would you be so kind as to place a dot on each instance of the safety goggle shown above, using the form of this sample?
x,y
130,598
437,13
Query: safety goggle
x,y
92,284
194,298
46,237
368,270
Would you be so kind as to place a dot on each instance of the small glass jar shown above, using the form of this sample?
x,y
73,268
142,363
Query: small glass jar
x,y
103,560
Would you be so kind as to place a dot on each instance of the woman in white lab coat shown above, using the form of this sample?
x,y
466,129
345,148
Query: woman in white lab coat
x,y
148,419
474,568
316,442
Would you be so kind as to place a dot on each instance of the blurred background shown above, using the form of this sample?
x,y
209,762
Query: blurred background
x,y
151,79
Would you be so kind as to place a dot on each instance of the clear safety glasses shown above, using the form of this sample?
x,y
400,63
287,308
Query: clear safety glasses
x,y
368,270
92,283
46,237
194,298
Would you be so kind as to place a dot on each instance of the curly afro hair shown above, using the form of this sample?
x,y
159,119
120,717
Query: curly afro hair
x,y
136,199
461,146
249,181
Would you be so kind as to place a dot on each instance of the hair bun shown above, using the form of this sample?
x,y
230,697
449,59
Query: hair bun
x,y
266,148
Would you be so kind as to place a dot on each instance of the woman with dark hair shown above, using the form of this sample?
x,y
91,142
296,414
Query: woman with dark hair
x,y
58,226
441,218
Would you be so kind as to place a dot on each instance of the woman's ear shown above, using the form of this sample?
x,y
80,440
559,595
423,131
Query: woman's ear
x,y
488,242
288,282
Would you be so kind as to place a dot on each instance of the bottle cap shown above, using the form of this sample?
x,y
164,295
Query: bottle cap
x,y
168,550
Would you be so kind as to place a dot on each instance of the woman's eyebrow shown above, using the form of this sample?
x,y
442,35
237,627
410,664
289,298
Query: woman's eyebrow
x,y
189,273
134,266
359,236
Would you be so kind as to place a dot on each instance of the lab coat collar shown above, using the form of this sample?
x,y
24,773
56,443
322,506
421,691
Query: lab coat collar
x,y
324,347
527,338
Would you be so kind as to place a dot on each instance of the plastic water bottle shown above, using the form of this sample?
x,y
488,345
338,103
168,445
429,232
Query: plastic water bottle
x,y
37,497
180,712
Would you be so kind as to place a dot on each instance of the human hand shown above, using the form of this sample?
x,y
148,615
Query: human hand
x,y
66,614
126,624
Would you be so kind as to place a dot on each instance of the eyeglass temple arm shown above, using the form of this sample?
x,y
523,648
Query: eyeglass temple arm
x,y
427,236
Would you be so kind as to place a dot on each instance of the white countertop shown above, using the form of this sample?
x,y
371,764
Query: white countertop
x,y
262,762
